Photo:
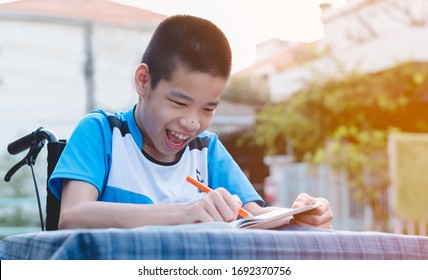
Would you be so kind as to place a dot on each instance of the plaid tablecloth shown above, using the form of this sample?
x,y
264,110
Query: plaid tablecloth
x,y
199,242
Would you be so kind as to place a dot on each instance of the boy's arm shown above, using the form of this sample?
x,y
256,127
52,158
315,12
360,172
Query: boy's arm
x,y
80,209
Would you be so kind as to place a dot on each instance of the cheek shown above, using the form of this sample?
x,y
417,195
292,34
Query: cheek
x,y
205,121
154,120
160,118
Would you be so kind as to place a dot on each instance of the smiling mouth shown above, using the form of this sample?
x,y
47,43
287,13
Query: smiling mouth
x,y
176,138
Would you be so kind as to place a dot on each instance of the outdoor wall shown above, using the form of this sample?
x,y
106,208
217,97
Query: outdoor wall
x,y
41,77
117,51
42,71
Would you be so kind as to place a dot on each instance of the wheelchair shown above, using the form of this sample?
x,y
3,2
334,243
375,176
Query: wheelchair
x,y
34,143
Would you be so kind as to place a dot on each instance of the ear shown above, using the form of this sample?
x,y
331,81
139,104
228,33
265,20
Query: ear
x,y
142,79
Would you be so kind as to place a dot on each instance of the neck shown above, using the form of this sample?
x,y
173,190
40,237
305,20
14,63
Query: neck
x,y
148,146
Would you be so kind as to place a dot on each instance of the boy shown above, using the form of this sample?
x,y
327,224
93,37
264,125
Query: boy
x,y
129,169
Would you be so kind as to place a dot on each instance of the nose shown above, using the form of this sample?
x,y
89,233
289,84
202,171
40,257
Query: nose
x,y
189,123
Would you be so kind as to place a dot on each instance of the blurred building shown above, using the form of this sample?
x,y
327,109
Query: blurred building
x,y
62,58
365,36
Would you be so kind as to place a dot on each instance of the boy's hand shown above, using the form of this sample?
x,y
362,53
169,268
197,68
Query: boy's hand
x,y
216,206
318,217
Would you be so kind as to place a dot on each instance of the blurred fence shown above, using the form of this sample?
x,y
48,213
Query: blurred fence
x,y
292,179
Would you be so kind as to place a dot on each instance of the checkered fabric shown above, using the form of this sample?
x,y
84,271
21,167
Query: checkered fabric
x,y
213,242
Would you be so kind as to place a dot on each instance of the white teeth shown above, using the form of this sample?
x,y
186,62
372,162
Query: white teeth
x,y
179,135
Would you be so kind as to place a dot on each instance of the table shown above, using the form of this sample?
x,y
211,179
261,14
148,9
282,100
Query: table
x,y
212,242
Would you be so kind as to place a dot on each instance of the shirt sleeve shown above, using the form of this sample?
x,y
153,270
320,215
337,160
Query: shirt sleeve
x,y
223,171
86,156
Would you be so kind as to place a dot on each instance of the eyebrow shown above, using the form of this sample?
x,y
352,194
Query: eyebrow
x,y
181,95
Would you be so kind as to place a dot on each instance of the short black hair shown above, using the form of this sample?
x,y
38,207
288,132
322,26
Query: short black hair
x,y
194,43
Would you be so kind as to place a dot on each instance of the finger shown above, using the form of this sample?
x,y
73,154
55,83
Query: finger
x,y
323,208
229,205
221,205
203,210
319,210
236,197
213,204
316,217
312,220
302,200
197,213
235,205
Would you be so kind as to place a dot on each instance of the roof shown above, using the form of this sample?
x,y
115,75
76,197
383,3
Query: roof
x,y
289,58
102,11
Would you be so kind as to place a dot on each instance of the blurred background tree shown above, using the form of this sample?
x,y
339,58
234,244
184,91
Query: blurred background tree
x,y
345,123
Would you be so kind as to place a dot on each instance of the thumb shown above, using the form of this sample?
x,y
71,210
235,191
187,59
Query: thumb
x,y
237,198
303,199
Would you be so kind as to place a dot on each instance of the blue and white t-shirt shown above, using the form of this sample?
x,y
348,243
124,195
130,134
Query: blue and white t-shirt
x,y
106,151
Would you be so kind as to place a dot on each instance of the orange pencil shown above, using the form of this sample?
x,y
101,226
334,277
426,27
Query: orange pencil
x,y
206,189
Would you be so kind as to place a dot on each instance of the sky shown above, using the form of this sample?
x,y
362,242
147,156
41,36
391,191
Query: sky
x,y
249,22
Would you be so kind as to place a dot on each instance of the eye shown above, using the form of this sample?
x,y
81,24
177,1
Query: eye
x,y
181,104
209,111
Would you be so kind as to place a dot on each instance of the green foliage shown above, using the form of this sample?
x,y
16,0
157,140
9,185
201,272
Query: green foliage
x,y
394,98
345,123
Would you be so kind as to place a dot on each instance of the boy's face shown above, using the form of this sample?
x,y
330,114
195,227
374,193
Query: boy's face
x,y
176,111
